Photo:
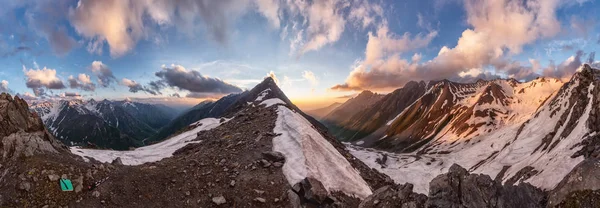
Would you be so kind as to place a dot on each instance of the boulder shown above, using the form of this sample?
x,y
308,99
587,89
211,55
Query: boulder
x,y
458,188
273,156
117,161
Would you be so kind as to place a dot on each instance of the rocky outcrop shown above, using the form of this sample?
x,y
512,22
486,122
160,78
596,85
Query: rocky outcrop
x,y
398,196
22,132
458,188
585,176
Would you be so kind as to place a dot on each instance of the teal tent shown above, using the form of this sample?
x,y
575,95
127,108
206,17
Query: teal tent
x,y
66,185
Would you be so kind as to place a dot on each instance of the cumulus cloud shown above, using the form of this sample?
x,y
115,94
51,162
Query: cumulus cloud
x,y
499,28
385,43
124,22
310,76
103,73
179,77
565,69
4,86
82,81
40,79
136,87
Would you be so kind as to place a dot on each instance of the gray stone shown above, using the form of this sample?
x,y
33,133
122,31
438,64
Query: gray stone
x,y
261,200
273,156
294,199
96,194
219,200
25,186
117,161
53,177
78,184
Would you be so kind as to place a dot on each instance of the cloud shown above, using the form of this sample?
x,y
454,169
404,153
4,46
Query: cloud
x,y
273,76
310,76
499,29
83,81
201,95
363,13
27,96
16,51
270,9
125,22
103,73
136,87
325,22
565,69
385,43
70,94
179,77
38,79
591,58
45,17
4,87
175,95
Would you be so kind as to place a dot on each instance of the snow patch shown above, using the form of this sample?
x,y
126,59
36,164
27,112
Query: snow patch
x,y
272,101
262,95
151,153
308,154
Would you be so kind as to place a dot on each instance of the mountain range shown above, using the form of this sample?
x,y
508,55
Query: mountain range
x,y
491,143
103,124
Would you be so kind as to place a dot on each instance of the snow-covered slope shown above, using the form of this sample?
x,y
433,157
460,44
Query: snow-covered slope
x,y
522,143
308,154
451,111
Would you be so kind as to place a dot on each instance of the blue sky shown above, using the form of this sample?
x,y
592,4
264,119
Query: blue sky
x,y
317,50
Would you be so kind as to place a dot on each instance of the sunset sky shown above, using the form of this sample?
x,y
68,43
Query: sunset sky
x,y
181,52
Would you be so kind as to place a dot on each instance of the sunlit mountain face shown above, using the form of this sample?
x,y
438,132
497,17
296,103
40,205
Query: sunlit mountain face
x,y
299,103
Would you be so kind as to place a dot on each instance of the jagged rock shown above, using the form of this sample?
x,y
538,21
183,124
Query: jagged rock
x,y
117,161
294,199
399,196
22,133
312,191
219,200
458,188
583,177
383,160
273,156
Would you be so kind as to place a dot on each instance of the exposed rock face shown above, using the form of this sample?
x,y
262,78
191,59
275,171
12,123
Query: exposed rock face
x,y
585,176
458,188
398,196
367,112
22,132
